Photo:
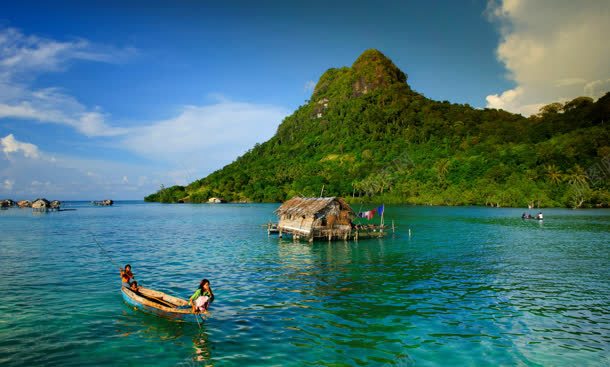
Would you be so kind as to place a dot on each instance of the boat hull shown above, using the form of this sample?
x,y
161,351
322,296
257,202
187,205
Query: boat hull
x,y
143,304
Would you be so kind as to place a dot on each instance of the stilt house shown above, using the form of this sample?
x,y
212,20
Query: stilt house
x,y
316,218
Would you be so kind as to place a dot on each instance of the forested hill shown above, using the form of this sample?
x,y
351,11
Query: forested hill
x,y
367,136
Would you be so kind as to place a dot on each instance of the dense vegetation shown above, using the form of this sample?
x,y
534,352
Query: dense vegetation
x,y
367,136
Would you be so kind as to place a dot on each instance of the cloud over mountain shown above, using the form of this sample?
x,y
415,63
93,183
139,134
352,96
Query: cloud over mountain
x,y
552,50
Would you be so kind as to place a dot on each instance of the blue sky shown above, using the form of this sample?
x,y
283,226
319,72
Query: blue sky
x,y
114,98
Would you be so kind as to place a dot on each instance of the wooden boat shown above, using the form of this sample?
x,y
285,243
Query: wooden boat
x,y
159,303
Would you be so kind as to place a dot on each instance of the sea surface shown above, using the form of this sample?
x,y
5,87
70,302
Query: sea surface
x,y
469,287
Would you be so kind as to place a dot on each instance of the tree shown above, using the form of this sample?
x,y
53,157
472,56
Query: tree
x,y
578,103
550,109
442,168
577,175
554,174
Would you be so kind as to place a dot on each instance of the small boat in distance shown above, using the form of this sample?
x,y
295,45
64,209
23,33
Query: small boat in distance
x,y
527,216
159,303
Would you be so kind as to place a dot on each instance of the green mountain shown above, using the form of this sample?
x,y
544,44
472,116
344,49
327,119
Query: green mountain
x,y
367,136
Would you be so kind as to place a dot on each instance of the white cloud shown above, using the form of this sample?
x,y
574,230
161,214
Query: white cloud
x,y
199,140
553,51
22,58
207,136
20,53
68,177
11,145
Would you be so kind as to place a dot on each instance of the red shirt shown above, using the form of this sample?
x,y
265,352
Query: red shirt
x,y
126,276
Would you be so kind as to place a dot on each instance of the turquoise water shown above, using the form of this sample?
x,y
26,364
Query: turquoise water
x,y
471,286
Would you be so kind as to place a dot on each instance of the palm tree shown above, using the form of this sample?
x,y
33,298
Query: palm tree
x,y
553,173
577,175
442,168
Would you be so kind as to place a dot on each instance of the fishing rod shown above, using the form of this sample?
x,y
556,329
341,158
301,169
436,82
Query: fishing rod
x,y
105,253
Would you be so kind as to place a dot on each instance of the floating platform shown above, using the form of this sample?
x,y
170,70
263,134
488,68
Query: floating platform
x,y
357,233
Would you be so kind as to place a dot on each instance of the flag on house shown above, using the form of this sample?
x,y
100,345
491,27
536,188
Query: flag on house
x,y
370,214
380,210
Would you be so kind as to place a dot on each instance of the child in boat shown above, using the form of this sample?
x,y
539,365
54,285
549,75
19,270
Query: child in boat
x,y
126,276
203,296
134,286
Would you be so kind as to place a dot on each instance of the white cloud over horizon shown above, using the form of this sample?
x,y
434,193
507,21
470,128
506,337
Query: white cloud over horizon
x,y
215,132
26,172
199,140
552,50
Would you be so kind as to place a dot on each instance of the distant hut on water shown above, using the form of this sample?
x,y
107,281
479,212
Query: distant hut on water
x,y
311,218
24,204
106,202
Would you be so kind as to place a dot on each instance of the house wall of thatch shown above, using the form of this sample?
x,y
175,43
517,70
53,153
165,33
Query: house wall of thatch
x,y
302,224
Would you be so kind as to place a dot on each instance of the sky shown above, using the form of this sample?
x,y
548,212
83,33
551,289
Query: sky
x,y
112,99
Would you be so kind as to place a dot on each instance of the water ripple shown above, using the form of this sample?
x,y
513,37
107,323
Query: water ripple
x,y
472,286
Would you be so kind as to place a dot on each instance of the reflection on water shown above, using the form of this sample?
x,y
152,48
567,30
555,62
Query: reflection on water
x,y
471,286
153,329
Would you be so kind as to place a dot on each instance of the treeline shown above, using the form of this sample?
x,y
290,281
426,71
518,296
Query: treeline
x,y
365,135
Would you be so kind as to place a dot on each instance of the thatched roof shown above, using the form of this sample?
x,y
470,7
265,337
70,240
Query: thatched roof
x,y
299,206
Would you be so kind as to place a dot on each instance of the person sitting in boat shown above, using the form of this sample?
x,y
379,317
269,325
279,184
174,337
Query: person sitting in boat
x,y
134,286
523,216
539,216
203,296
126,276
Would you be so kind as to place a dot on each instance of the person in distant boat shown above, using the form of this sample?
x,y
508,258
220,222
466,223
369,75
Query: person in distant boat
x,y
539,216
203,296
126,276
523,216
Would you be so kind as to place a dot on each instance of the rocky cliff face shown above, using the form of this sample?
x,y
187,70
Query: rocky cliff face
x,y
373,70
370,72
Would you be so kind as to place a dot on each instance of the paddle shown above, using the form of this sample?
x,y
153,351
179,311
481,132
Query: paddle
x,y
197,319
